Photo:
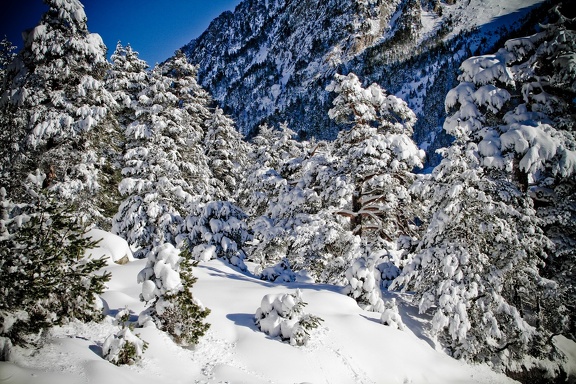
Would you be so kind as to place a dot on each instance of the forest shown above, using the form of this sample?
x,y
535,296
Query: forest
x,y
485,243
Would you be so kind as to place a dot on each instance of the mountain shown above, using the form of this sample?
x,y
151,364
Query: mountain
x,y
271,60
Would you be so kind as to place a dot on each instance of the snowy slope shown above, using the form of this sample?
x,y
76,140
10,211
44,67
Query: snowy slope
x,y
350,347
271,61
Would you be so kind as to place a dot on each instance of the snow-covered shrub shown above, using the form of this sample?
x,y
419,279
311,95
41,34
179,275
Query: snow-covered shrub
x,y
166,283
364,284
282,316
46,278
123,347
218,230
280,272
391,316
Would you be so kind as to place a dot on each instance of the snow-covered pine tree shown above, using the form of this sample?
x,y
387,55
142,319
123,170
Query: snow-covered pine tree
x,y
364,284
517,104
476,266
123,347
125,79
479,266
165,169
269,151
167,281
299,223
7,54
227,154
217,229
59,119
47,277
376,156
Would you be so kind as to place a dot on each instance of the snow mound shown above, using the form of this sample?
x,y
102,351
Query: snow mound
x,y
114,248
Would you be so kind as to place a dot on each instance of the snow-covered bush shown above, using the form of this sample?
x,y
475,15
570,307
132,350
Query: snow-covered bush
x,y
46,278
280,272
166,284
123,347
217,230
364,284
391,316
282,316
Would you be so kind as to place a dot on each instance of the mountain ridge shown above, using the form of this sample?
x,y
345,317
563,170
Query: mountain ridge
x,y
270,61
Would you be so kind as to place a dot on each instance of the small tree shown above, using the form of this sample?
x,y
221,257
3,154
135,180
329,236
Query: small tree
x,y
217,230
46,278
123,347
282,316
364,284
166,287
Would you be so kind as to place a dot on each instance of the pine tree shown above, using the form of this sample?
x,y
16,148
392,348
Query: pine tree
x,y
167,281
47,276
479,265
376,157
217,229
299,224
270,152
58,111
165,169
517,105
7,55
125,79
227,154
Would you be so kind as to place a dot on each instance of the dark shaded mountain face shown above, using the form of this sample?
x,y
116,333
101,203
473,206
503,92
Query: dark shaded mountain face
x,y
271,60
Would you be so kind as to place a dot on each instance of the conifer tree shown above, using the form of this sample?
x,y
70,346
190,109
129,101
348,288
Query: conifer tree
x,y
481,261
59,113
376,156
165,169
270,150
7,55
125,79
217,229
167,281
48,278
227,154
517,105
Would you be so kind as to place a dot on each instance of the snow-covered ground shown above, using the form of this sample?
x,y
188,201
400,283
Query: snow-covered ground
x,y
350,347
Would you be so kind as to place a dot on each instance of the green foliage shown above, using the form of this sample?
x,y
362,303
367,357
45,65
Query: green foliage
x,y
46,278
172,307
124,347
302,332
184,319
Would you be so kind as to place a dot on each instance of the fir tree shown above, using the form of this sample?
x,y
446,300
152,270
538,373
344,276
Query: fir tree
x,y
217,229
376,156
481,261
226,152
165,169
517,105
167,281
57,109
48,277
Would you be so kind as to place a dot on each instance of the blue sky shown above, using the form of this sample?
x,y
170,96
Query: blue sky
x,y
154,28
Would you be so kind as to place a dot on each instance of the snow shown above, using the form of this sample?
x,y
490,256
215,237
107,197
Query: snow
x,y
350,346
114,248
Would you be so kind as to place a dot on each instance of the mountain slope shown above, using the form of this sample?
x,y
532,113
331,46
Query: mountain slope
x,y
351,346
270,61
